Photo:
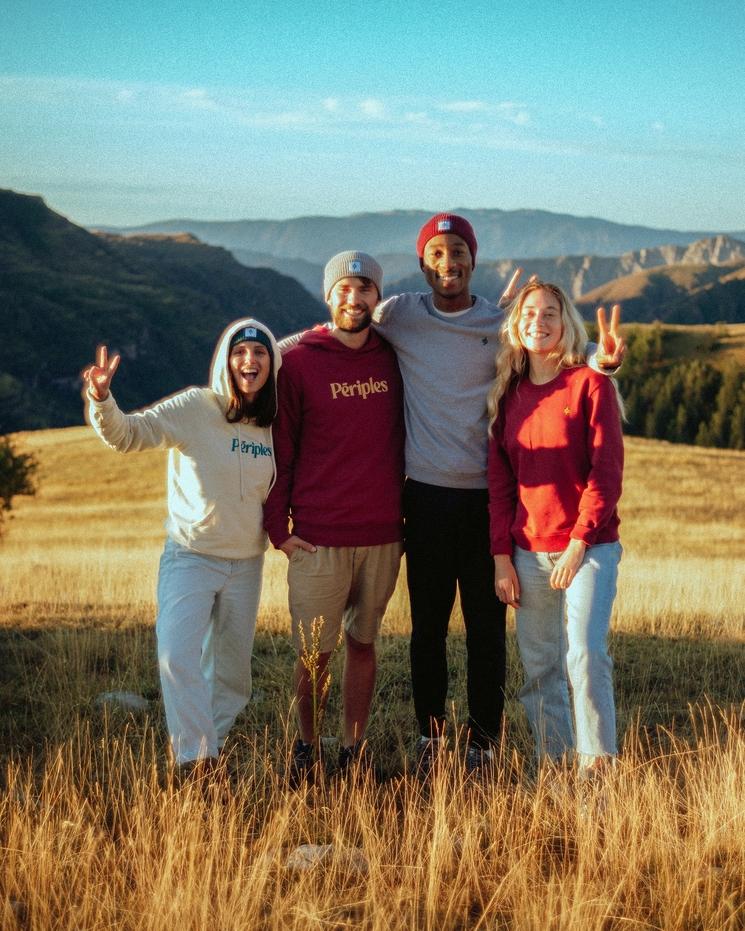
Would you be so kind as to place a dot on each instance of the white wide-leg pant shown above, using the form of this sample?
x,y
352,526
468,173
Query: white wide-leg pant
x,y
205,629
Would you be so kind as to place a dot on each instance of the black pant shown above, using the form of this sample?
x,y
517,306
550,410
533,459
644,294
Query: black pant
x,y
447,545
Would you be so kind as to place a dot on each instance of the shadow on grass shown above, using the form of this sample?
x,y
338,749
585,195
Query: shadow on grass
x,y
50,679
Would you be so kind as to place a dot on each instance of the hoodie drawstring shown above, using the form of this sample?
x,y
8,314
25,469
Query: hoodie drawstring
x,y
240,459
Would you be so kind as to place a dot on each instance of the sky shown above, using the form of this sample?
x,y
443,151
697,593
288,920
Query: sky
x,y
122,113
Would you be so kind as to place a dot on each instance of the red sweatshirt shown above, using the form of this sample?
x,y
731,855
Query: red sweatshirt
x,y
556,464
338,443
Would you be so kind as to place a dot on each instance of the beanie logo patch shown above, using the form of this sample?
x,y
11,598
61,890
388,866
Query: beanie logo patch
x,y
443,226
250,331
355,267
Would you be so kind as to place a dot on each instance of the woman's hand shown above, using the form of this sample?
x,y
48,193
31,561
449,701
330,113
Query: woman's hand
x,y
568,565
611,347
506,582
296,543
97,377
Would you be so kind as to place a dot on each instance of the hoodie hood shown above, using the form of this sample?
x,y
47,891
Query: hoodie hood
x,y
220,370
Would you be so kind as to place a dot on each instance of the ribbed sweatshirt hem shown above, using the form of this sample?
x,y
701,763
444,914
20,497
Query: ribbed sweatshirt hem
x,y
447,479
557,543
368,535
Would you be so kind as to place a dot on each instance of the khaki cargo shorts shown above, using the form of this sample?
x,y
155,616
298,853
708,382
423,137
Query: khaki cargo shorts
x,y
349,585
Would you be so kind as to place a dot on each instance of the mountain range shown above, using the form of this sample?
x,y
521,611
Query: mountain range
x,y
501,233
162,298
541,242
161,301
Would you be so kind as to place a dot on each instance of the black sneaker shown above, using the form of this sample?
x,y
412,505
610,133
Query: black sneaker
x,y
302,764
478,761
428,750
354,760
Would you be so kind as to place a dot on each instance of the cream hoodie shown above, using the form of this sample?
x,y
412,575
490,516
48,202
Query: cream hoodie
x,y
219,473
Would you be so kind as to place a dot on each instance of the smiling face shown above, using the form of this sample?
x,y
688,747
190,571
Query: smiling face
x,y
447,265
352,302
250,365
540,325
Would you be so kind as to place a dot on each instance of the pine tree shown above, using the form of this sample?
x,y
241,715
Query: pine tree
x,y
17,475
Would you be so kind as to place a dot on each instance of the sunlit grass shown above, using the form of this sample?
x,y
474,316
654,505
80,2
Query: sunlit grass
x,y
93,834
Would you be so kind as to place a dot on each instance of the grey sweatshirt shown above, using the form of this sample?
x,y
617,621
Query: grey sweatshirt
x,y
447,365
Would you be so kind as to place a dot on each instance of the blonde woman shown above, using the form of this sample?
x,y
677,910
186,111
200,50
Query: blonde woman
x,y
220,469
555,471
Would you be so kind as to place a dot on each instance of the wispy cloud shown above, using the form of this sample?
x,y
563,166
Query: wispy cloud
x,y
373,107
516,113
508,125
463,106
199,99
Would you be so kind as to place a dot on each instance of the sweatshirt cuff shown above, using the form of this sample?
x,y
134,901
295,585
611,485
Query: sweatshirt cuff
x,y
108,401
277,536
584,534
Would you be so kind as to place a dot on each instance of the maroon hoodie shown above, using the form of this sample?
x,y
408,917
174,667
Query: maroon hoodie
x,y
338,443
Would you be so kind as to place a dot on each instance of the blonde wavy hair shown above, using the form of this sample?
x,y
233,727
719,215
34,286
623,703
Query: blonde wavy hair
x,y
512,357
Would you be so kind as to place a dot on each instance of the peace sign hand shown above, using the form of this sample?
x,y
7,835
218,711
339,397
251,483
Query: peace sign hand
x,y
97,377
611,347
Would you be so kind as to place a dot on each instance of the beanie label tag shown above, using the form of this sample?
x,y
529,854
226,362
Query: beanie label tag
x,y
250,331
443,226
355,267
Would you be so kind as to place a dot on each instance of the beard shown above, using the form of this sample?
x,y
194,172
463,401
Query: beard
x,y
352,324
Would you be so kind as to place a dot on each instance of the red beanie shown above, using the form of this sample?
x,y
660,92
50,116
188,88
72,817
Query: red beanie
x,y
447,223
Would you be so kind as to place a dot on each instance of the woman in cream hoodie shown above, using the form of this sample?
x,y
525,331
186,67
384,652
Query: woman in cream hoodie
x,y
220,469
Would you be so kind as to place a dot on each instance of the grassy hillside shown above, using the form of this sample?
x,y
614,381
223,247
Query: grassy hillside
x,y
94,835
696,294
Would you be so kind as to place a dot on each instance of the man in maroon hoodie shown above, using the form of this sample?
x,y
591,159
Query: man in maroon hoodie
x,y
339,444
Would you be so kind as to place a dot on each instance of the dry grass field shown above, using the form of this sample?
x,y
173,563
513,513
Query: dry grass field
x,y
94,835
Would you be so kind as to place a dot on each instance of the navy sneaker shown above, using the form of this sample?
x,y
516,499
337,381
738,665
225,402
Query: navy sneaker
x,y
354,760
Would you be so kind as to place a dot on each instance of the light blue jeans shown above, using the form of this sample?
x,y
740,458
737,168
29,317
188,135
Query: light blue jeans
x,y
562,636
205,629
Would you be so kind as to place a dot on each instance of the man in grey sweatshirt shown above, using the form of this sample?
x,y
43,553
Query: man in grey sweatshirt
x,y
446,341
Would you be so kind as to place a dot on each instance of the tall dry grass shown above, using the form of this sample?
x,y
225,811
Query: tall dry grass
x,y
94,835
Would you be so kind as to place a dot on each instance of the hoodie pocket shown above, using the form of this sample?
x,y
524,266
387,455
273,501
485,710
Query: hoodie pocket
x,y
203,526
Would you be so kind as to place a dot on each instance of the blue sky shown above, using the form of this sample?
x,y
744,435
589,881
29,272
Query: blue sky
x,y
126,112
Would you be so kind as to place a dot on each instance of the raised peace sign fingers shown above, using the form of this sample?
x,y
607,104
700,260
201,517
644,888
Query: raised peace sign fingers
x,y
611,347
97,377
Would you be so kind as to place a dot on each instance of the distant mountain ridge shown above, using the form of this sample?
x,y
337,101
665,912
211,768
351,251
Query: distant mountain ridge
x,y
501,233
163,297
689,294
581,254
161,300
580,274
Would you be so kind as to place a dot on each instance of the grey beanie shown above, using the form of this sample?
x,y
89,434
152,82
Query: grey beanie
x,y
352,265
